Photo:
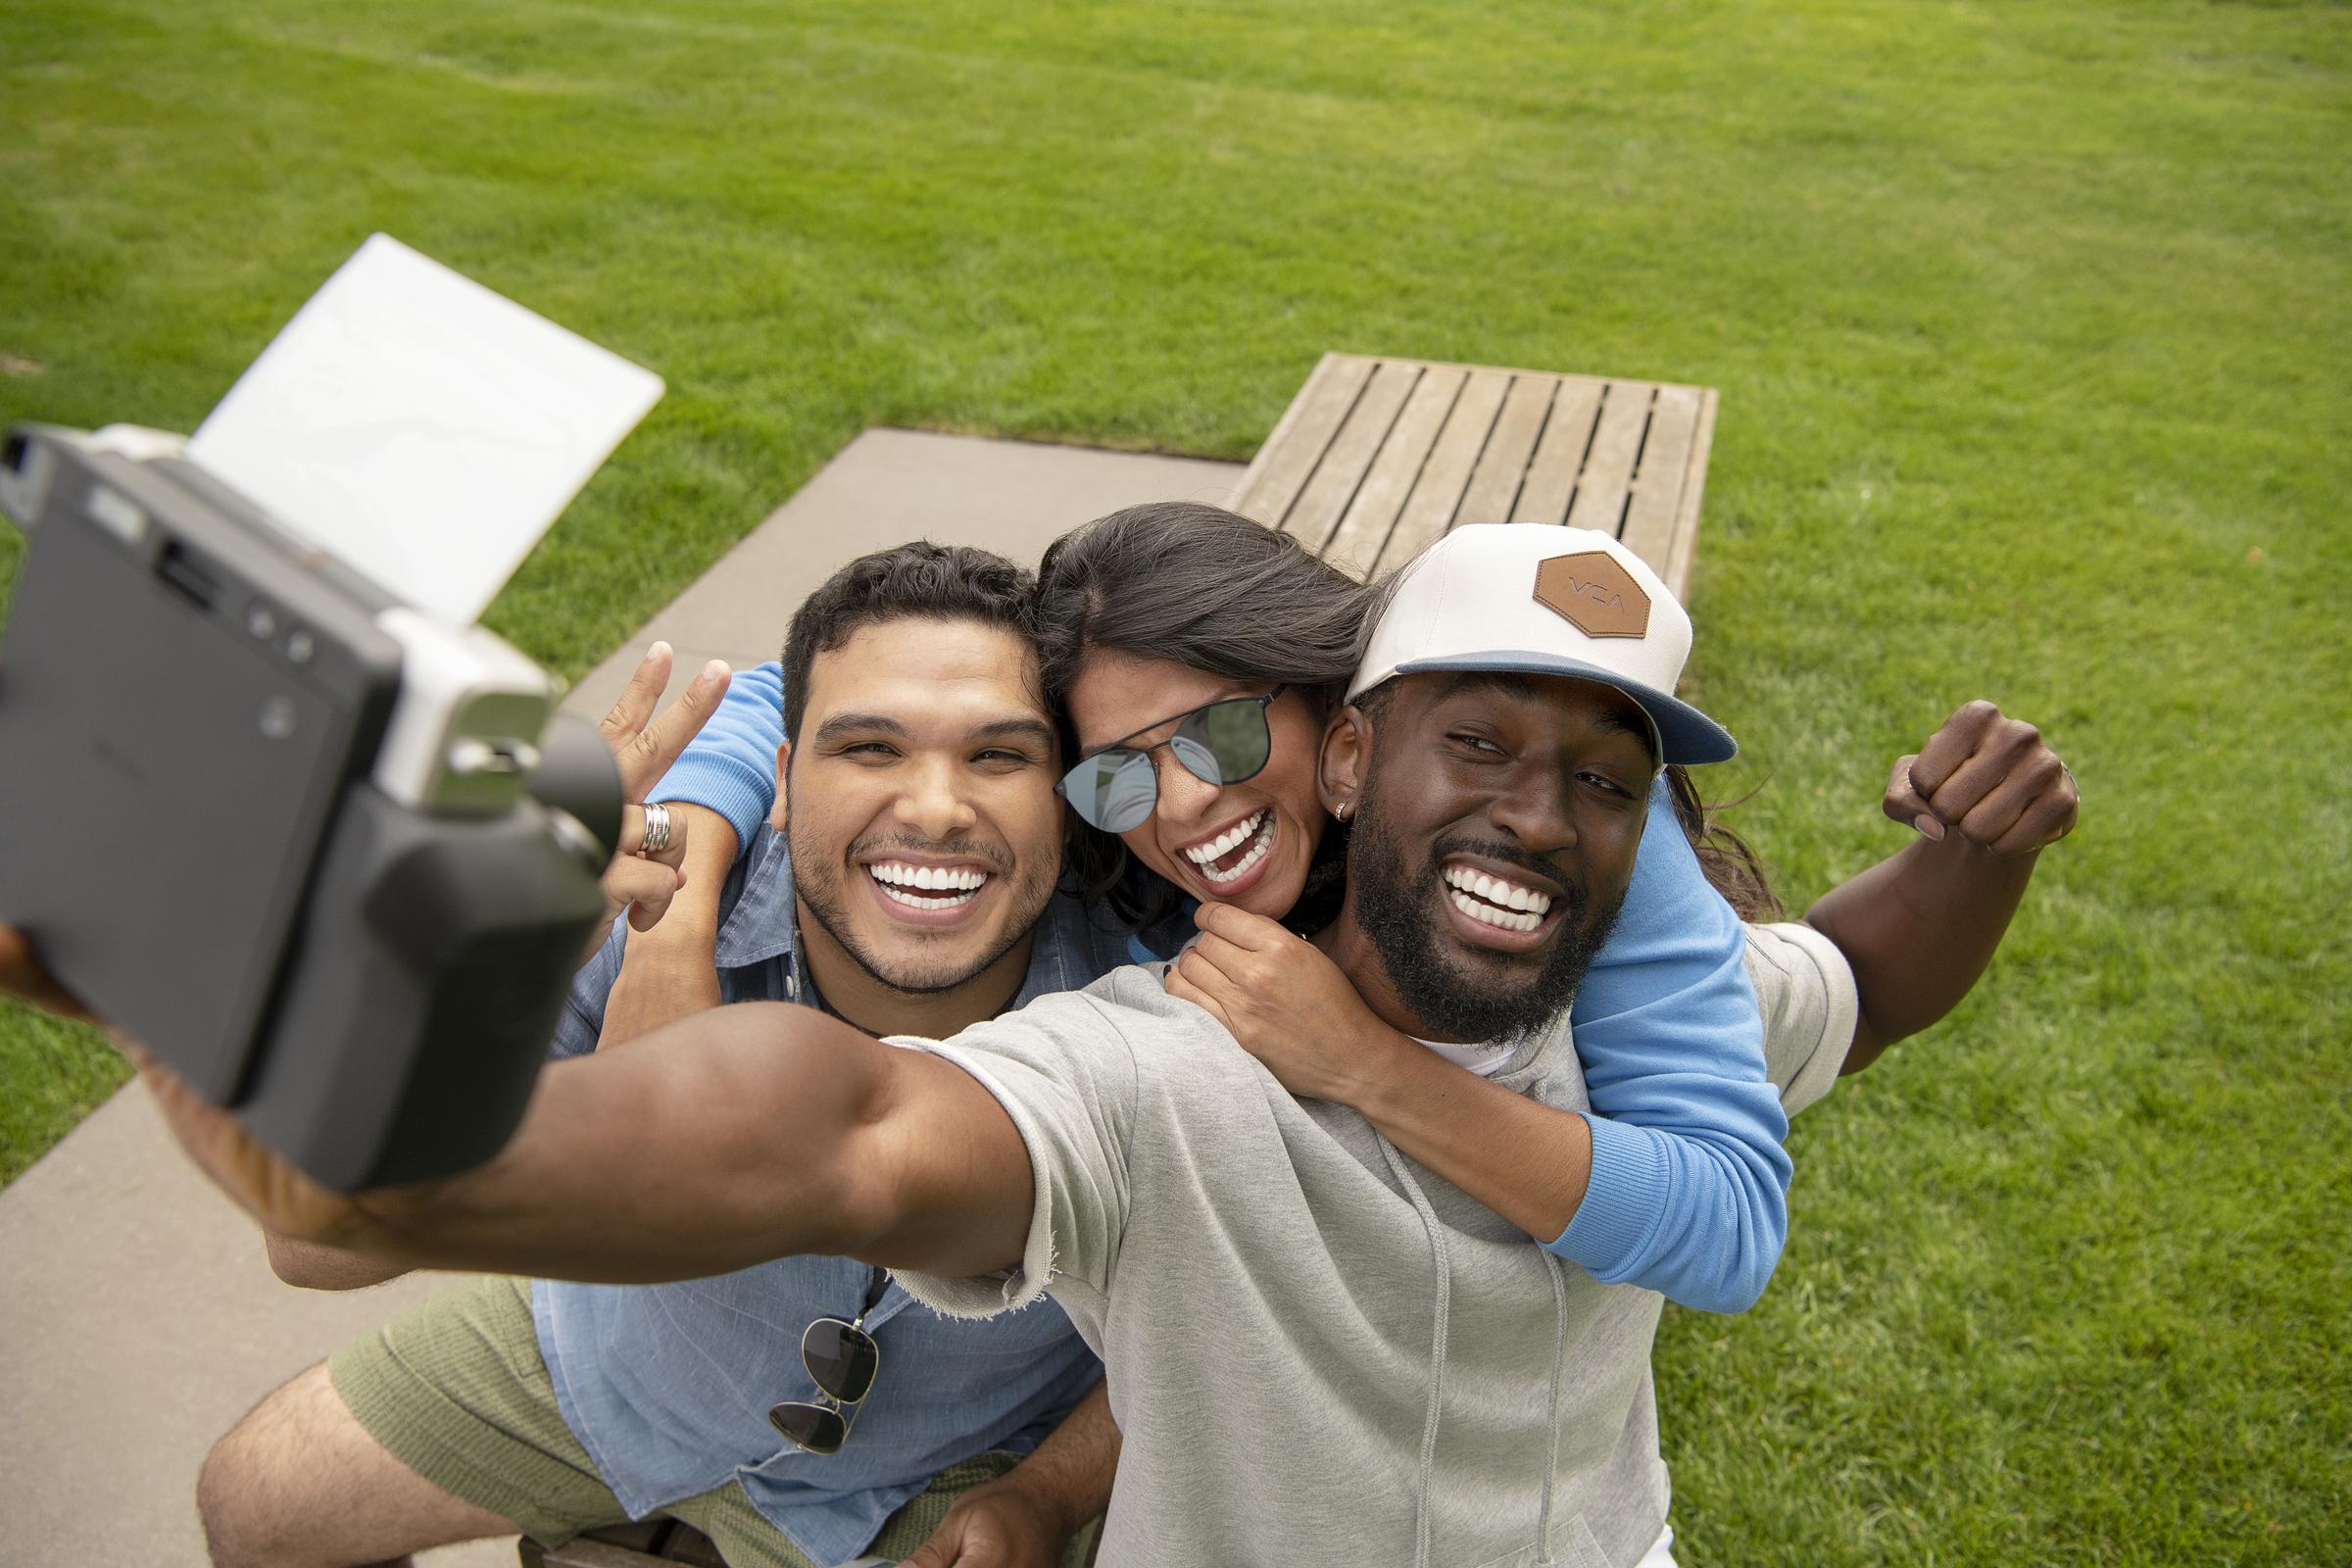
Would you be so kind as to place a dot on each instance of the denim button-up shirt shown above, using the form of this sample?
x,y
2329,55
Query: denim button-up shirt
x,y
668,1386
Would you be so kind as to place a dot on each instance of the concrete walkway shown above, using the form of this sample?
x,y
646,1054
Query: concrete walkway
x,y
138,1318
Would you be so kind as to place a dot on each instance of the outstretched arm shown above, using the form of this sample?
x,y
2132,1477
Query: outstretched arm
x,y
761,1131
1986,795
315,1266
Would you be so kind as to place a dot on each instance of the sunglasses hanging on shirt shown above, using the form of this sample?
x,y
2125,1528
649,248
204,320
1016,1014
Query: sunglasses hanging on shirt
x,y
1220,743
842,1359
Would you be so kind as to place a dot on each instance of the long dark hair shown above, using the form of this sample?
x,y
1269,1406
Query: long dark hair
x,y
1732,868
1211,590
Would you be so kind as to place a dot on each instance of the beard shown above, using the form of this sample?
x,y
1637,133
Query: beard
x,y
919,962
1458,992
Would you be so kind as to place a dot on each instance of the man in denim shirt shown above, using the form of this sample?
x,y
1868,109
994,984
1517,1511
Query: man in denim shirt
x,y
930,838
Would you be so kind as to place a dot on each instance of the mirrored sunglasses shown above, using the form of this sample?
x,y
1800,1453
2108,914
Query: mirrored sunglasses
x,y
1220,743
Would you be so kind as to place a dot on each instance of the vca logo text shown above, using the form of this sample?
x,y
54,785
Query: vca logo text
x,y
1594,594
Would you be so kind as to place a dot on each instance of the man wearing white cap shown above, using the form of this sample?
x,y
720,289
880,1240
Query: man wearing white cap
x,y
1318,1351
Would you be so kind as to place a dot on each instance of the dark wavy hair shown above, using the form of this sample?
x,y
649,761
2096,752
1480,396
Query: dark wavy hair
x,y
921,579
1211,590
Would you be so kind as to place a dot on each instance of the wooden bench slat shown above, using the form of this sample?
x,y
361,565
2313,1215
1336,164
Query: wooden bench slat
x,y
1494,482
1283,463
1376,459
1365,528
1438,494
1658,487
1609,471
1552,474
1317,513
1685,549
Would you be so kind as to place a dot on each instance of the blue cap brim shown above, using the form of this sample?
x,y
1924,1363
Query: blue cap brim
x,y
1685,734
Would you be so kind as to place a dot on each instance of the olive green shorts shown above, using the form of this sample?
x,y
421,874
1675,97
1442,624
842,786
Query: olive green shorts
x,y
456,1390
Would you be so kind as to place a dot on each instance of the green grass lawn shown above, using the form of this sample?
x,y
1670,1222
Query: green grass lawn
x,y
2030,323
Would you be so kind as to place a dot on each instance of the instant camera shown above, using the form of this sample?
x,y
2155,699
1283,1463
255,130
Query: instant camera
x,y
324,854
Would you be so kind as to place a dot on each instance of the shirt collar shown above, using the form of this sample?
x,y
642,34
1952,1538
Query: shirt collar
x,y
760,924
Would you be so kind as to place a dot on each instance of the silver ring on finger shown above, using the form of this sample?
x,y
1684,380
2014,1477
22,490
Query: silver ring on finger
x,y
657,829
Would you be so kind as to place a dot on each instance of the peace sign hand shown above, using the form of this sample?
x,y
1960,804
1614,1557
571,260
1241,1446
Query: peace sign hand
x,y
644,876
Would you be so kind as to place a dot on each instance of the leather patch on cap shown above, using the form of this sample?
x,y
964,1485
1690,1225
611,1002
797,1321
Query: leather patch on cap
x,y
1594,594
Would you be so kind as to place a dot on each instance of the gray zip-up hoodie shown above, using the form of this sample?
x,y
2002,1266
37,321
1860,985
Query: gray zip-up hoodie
x,y
1318,1351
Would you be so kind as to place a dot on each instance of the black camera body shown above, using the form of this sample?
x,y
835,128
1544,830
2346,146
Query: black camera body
x,y
325,856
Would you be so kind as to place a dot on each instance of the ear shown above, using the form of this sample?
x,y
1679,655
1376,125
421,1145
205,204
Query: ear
x,y
778,813
1339,765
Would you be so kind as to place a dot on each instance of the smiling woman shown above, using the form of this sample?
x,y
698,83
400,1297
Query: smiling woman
x,y
1155,611
1246,836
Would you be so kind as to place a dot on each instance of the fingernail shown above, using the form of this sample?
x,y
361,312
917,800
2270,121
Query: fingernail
x,y
1929,827
656,650
713,669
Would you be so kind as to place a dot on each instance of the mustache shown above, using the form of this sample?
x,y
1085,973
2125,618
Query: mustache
x,y
915,844
1513,853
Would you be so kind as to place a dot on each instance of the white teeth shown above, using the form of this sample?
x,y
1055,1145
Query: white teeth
x,y
1201,855
1488,914
1496,892
1257,852
955,883
900,874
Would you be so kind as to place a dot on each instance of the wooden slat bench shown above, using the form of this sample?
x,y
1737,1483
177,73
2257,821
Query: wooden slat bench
x,y
1376,458
1373,460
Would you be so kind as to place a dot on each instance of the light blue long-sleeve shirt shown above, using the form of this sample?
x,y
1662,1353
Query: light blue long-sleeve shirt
x,y
1689,1188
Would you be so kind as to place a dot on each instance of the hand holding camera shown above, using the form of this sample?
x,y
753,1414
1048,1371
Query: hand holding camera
x,y
270,800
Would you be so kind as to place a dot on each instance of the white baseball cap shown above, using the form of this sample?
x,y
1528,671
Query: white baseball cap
x,y
1540,599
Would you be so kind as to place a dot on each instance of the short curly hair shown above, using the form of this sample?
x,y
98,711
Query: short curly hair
x,y
919,580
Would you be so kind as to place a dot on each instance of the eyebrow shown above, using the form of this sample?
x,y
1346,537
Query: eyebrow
x,y
1028,729
1035,730
862,724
